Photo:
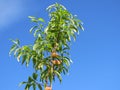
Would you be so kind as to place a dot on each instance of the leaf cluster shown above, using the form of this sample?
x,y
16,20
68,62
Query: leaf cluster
x,y
51,39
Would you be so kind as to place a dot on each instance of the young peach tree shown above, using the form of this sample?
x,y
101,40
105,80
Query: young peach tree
x,y
50,52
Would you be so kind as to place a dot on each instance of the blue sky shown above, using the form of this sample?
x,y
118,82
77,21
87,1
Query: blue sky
x,y
96,52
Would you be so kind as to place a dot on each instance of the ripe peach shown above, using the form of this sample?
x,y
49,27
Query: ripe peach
x,y
54,54
48,88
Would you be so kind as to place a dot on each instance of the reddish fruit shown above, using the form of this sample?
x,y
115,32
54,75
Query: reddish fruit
x,y
57,62
48,88
54,54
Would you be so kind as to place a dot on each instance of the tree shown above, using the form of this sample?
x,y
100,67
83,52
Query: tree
x,y
50,51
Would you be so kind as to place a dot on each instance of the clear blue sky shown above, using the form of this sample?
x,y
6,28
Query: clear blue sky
x,y
96,52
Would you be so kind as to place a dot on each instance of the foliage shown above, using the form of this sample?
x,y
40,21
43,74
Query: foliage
x,y
51,45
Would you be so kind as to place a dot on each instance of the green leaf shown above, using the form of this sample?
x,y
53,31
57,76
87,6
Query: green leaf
x,y
37,32
66,48
18,57
17,42
34,86
22,83
74,36
17,51
24,58
26,48
27,86
30,80
35,76
58,75
12,48
66,61
40,87
50,7
41,19
33,28
27,60
36,46
65,70
81,27
33,19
